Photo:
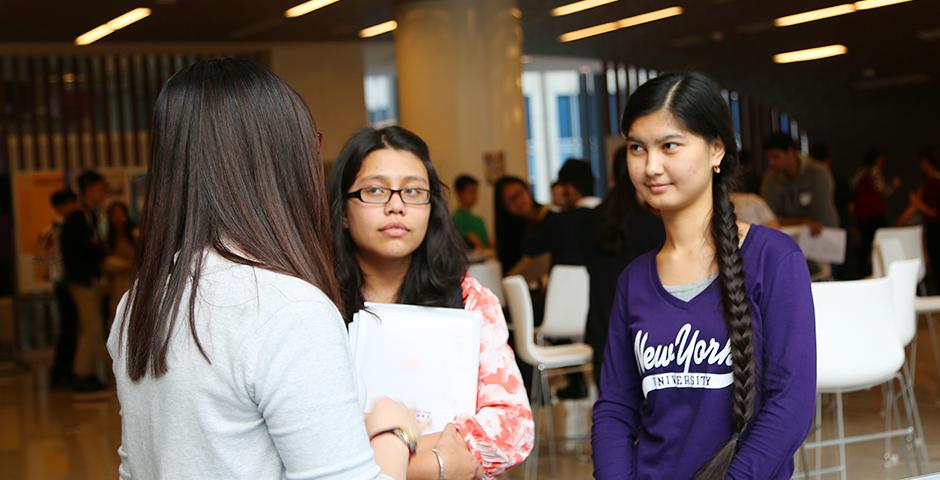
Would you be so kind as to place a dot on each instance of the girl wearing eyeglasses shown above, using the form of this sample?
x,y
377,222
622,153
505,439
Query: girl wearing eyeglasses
x,y
395,242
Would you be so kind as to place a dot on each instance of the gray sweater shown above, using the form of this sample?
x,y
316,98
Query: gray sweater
x,y
278,399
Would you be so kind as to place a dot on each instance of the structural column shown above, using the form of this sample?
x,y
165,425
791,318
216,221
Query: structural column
x,y
460,85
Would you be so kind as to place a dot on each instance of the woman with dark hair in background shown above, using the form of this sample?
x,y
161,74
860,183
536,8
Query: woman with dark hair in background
x,y
517,215
735,398
871,210
118,266
395,242
925,203
230,356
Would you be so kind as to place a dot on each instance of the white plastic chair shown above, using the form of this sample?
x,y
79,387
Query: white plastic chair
x,y
490,274
548,360
903,275
911,241
857,348
892,244
567,300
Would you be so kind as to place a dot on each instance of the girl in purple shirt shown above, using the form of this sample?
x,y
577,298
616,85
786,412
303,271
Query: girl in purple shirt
x,y
710,367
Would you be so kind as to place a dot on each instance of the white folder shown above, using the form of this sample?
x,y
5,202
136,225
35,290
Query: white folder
x,y
427,357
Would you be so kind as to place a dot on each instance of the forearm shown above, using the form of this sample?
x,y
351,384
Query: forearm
x,y
391,454
424,464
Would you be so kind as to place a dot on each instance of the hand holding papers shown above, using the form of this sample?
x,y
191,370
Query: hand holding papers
x,y
827,247
426,357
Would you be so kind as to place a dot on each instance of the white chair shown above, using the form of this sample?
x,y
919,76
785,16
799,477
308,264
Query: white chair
x,y
903,275
910,240
490,274
545,360
566,303
857,348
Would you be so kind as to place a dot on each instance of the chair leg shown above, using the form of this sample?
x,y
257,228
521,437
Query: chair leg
x,y
532,463
887,398
919,440
908,410
932,330
905,443
549,418
840,431
818,452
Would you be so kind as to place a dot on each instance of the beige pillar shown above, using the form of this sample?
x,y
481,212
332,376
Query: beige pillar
x,y
460,85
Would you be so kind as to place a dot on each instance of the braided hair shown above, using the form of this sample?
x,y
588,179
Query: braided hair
x,y
696,101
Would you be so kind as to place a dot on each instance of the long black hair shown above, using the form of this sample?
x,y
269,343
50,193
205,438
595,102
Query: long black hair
x,y
510,229
235,168
438,265
696,102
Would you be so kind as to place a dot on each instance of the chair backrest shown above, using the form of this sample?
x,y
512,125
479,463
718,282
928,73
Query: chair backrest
x,y
490,275
903,274
912,243
856,342
567,300
523,319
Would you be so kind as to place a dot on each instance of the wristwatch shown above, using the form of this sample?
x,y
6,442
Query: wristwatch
x,y
406,436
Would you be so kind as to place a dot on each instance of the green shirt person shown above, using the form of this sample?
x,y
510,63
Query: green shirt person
x,y
470,226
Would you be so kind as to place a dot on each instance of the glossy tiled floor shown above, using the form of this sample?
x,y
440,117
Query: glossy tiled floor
x,y
44,435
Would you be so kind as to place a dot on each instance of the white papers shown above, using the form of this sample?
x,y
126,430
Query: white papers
x,y
827,247
426,357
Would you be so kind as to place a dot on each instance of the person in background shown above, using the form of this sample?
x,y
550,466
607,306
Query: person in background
x,y
64,202
739,291
559,199
470,226
798,190
871,210
83,250
626,228
230,354
517,215
570,237
118,266
925,204
842,193
395,243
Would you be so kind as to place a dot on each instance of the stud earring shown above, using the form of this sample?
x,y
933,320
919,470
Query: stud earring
x,y
716,169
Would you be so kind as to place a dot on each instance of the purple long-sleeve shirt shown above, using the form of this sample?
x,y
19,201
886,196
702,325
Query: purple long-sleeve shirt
x,y
665,401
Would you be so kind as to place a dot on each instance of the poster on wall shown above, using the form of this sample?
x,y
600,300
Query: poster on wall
x,y
494,164
34,216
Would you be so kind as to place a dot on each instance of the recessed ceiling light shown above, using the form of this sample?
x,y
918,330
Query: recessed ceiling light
x,y
810,54
622,23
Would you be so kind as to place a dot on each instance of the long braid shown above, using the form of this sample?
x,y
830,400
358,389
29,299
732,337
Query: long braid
x,y
724,231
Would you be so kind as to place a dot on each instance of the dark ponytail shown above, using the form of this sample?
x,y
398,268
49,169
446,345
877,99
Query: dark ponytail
x,y
695,101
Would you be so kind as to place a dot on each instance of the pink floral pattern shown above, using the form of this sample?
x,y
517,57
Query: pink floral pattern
x,y
500,434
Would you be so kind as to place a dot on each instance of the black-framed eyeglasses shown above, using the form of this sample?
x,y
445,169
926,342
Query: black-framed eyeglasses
x,y
382,195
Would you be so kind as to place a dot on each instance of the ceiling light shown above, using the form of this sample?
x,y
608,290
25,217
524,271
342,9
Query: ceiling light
x,y
835,11
810,54
307,7
578,6
622,23
379,29
814,15
869,4
112,26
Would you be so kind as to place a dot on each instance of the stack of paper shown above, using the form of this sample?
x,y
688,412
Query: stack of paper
x,y
828,246
426,357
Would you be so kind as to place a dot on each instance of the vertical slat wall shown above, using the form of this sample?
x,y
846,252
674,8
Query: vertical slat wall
x,y
70,112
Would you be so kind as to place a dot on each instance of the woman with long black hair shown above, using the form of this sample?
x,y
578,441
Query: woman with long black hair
x,y
710,364
395,242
